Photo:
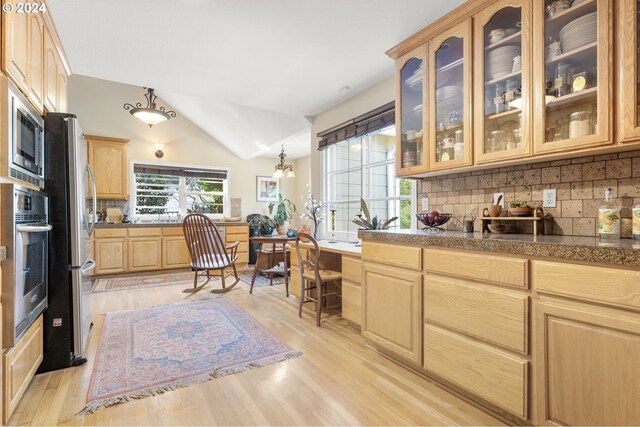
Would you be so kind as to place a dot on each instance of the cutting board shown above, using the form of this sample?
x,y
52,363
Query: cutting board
x,y
114,215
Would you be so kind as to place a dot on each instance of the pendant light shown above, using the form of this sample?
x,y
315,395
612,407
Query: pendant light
x,y
282,167
149,114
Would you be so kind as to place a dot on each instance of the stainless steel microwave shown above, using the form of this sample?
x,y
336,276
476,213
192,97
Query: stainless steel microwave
x,y
25,139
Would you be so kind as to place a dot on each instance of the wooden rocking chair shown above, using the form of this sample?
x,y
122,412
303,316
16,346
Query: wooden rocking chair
x,y
208,252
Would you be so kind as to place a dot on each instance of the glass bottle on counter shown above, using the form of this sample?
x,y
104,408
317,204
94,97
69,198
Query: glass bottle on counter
x,y
609,217
635,221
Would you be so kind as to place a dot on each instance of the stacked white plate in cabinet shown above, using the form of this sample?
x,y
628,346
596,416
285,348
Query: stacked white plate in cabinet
x,y
500,60
415,81
579,32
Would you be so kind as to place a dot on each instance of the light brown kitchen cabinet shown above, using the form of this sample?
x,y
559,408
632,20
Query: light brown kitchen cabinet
x,y
15,43
35,76
573,92
392,302
108,161
175,253
411,112
50,73
502,81
20,364
110,249
628,69
352,289
449,93
145,253
586,364
61,105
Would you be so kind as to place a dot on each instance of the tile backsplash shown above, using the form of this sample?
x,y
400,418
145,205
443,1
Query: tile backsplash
x,y
579,185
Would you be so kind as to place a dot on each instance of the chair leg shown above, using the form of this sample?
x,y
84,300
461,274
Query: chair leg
x,y
196,288
302,286
319,303
222,277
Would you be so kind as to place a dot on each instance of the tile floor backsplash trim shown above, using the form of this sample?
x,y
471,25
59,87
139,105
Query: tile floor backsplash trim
x,y
579,185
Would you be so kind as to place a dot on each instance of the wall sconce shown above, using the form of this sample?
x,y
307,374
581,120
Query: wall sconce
x,y
159,152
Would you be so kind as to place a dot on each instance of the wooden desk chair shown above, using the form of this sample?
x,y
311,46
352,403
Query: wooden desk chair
x,y
208,251
311,277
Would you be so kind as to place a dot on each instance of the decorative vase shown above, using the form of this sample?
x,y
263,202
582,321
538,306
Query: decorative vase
x,y
315,230
266,231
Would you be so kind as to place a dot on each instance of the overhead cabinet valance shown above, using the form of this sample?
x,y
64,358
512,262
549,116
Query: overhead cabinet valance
x,y
180,171
362,125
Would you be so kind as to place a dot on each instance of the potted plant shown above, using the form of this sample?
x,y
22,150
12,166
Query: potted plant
x,y
266,225
284,210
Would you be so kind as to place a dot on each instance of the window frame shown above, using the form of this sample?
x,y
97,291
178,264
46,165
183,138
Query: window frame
x,y
182,192
365,192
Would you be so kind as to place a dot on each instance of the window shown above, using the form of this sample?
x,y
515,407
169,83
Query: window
x,y
364,167
165,191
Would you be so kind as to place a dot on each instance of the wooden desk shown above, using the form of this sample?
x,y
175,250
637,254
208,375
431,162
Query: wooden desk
x,y
277,242
344,257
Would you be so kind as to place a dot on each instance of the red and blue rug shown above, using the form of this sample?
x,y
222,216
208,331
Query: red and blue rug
x,y
152,350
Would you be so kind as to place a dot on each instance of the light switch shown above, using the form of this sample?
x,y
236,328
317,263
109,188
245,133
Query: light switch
x,y
425,203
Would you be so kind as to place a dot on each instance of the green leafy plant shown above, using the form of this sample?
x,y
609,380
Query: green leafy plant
x,y
266,225
284,210
365,222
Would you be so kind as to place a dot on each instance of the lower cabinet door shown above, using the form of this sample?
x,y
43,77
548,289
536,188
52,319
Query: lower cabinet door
x,y
587,362
490,373
145,253
294,281
111,255
20,364
351,302
175,253
392,304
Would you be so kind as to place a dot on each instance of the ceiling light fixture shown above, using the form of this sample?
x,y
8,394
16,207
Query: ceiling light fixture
x,y
149,114
282,167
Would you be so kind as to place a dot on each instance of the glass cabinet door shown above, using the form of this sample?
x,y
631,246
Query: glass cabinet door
x,y
573,84
450,98
503,81
628,57
410,113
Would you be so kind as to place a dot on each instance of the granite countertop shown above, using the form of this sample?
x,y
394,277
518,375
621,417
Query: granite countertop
x,y
160,224
625,252
3,253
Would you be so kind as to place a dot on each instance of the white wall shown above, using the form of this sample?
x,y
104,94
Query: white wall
x,y
99,106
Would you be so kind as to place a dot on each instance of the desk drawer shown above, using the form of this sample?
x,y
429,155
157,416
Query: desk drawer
x,y
612,286
487,268
352,269
492,374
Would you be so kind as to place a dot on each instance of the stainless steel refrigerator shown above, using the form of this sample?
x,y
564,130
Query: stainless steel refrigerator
x,y
72,204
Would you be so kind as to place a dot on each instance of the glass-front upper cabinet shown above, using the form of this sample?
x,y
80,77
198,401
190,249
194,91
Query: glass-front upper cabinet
x,y
410,113
572,76
628,57
502,55
449,97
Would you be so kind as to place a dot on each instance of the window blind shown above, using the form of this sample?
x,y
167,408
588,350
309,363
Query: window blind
x,y
362,125
180,171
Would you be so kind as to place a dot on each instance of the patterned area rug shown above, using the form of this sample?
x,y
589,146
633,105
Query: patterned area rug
x,y
121,283
152,350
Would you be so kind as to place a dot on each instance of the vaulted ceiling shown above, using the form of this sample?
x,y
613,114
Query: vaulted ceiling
x,y
251,73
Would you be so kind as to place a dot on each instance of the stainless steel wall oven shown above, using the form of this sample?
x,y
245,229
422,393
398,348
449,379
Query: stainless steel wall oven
x,y
24,231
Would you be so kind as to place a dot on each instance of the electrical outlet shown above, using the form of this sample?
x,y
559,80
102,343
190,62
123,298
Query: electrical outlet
x,y
549,198
495,199
425,203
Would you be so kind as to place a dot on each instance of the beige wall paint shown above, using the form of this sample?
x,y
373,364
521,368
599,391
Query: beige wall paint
x,y
99,107
361,103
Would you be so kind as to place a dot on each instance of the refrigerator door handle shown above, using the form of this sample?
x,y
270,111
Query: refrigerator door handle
x,y
91,265
33,228
92,224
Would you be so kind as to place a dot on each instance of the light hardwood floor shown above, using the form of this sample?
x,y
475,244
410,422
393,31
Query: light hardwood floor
x,y
339,380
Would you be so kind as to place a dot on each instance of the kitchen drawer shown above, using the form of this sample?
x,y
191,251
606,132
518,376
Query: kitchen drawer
x,y
237,229
230,238
243,258
492,374
400,256
172,231
144,232
487,268
110,232
614,286
352,269
351,301
242,247
495,315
